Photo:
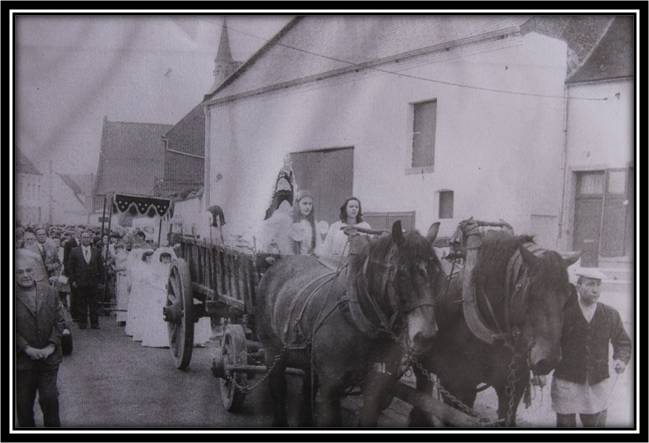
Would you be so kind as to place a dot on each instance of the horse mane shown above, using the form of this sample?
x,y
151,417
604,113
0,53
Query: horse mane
x,y
415,248
494,254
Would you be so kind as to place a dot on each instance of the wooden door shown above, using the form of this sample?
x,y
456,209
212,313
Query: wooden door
x,y
616,202
329,175
588,215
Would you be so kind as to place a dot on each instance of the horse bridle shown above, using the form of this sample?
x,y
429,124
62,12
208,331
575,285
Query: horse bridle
x,y
387,287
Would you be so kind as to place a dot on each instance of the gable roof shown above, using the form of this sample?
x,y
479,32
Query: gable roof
x,y
81,186
313,45
613,56
24,165
131,157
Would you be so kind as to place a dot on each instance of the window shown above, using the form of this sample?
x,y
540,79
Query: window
x,y
591,183
445,204
423,134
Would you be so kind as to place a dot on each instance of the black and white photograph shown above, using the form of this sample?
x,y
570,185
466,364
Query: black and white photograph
x,y
414,221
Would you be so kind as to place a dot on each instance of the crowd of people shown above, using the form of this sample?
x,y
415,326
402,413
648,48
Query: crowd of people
x,y
80,273
61,267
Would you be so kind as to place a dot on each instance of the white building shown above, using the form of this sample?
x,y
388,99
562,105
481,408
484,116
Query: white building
x,y
71,198
29,197
423,118
598,211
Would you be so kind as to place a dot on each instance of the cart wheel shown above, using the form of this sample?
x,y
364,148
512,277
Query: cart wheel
x,y
179,315
233,348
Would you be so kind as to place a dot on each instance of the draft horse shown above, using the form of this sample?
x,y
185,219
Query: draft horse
x,y
350,325
520,292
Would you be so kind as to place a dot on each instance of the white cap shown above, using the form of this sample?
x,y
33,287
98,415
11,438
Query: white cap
x,y
592,273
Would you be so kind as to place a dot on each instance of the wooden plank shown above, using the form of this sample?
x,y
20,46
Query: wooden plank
x,y
209,293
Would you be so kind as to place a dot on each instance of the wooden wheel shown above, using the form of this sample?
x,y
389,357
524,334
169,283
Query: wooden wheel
x,y
179,315
234,351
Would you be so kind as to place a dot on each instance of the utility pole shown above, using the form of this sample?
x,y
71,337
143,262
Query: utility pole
x,y
51,200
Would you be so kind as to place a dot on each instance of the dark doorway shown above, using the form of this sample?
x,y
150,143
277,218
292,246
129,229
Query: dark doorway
x,y
329,175
603,214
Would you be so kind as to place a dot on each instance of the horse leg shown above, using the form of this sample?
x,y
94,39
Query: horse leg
x,y
277,382
309,388
329,414
418,417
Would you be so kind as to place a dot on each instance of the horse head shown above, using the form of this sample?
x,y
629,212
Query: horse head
x,y
548,291
410,290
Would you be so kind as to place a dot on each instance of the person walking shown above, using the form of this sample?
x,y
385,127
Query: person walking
x,y
86,269
39,324
580,384
74,241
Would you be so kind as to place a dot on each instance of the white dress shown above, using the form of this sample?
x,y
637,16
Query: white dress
x,y
336,244
155,333
121,286
136,272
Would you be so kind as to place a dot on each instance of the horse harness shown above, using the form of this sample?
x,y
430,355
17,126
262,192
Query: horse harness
x,y
517,281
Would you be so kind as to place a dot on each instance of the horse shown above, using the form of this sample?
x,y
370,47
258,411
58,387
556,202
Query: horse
x,y
520,296
348,326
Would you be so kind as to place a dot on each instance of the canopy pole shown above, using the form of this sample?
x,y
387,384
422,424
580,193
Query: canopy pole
x,y
159,231
110,219
103,217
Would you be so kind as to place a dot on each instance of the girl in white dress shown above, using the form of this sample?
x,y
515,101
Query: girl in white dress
x,y
140,278
121,283
335,245
303,231
155,328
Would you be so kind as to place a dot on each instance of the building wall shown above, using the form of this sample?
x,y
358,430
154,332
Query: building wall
x,y
66,208
29,200
500,153
599,136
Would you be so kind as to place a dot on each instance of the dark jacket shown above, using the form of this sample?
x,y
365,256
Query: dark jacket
x,y
82,273
67,248
584,346
38,328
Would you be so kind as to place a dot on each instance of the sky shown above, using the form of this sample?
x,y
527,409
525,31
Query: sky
x,y
72,71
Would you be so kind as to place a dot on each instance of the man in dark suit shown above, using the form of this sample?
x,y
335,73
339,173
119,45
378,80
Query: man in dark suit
x,y
86,268
73,242
580,382
39,325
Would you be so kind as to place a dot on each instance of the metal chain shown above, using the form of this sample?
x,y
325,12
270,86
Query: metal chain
x,y
510,389
247,388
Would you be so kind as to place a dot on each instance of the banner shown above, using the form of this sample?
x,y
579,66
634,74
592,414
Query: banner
x,y
142,205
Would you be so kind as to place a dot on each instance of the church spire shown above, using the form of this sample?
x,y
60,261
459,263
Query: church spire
x,y
224,64
224,55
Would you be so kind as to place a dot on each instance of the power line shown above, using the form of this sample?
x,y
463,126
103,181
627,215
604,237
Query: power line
x,y
416,77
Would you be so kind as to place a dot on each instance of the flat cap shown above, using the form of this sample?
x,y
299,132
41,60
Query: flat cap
x,y
592,273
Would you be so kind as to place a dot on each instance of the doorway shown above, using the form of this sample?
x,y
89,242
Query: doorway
x,y
329,175
603,214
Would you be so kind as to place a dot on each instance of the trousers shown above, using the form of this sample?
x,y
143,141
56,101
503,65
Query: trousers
x,y
41,379
87,305
597,420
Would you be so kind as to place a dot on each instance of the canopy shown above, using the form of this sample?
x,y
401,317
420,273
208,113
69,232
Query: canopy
x,y
142,205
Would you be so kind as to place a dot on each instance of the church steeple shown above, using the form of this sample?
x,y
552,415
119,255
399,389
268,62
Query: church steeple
x,y
224,64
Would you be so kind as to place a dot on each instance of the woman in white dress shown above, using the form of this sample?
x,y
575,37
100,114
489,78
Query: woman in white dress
x,y
138,272
121,283
336,245
303,231
155,328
